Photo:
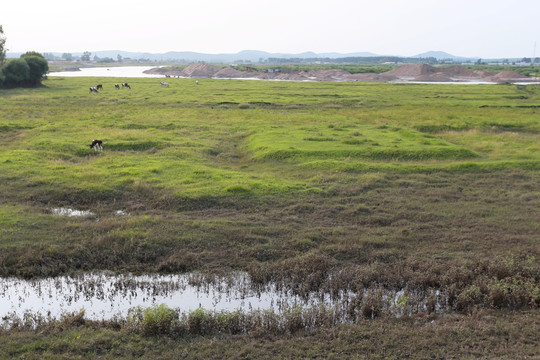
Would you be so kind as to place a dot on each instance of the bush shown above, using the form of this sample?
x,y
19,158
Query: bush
x,y
28,70
158,320
201,322
38,67
16,72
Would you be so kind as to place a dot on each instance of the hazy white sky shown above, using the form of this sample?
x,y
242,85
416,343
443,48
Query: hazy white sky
x,y
475,28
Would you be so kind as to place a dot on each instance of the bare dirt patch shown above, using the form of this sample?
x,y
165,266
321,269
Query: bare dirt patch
x,y
407,72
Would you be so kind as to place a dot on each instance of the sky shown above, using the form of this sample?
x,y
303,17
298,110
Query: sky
x,y
469,28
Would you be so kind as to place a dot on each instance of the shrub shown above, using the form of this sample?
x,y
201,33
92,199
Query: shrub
x,y
159,320
15,72
28,70
201,322
469,298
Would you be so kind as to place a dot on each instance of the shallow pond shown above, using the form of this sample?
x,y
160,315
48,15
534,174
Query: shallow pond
x,y
106,296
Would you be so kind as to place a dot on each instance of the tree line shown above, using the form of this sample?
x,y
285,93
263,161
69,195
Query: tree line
x,y
28,70
376,60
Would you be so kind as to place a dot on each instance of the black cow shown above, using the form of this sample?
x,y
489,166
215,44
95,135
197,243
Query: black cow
x,y
97,145
117,86
126,85
99,87
93,89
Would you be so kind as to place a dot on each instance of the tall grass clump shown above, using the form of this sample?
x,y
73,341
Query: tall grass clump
x,y
156,320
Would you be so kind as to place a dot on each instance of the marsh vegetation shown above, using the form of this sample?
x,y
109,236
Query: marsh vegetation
x,y
318,187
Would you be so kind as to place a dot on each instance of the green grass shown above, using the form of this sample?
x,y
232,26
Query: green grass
x,y
378,184
197,141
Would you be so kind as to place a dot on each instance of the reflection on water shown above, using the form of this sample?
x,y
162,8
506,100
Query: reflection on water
x,y
104,295
63,211
121,71
107,296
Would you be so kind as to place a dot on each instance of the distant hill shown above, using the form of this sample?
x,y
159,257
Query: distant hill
x,y
441,55
190,56
253,56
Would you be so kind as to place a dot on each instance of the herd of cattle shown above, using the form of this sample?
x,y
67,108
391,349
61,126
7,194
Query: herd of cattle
x,y
97,145
95,89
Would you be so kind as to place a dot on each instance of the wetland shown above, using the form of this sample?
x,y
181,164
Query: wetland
x,y
411,210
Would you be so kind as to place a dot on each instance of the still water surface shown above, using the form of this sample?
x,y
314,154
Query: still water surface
x,y
120,71
105,296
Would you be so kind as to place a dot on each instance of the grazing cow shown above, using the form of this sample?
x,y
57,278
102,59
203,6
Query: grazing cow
x,y
99,87
197,82
97,145
164,84
117,86
93,89
126,85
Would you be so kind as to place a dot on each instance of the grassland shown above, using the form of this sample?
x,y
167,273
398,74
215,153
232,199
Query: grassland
x,y
392,185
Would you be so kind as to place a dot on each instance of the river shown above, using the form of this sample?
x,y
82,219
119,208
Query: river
x,y
118,71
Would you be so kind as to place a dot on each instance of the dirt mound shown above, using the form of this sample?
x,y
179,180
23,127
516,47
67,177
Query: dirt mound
x,y
231,73
328,75
404,73
164,72
412,70
300,76
370,77
483,73
200,70
437,77
509,75
458,71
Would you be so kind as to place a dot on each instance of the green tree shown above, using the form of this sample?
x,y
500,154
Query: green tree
x,y
67,56
2,46
15,72
86,56
38,67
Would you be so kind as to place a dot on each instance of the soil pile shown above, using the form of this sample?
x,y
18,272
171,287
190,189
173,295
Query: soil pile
x,y
483,73
230,73
459,72
200,70
508,75
165,72
329,75
437,77
408,72
412,70
370,77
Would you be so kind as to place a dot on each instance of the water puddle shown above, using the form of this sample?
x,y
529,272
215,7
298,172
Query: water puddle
x,y
63,211
69,212
106,296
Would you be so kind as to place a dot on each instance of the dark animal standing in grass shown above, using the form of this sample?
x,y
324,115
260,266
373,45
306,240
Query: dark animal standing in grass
x,y
97,145
99,87
126,85
93,89
197,82
117,86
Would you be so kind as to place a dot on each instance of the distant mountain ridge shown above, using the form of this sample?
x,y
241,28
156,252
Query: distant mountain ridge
x,y
190,56
441,55
247,56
